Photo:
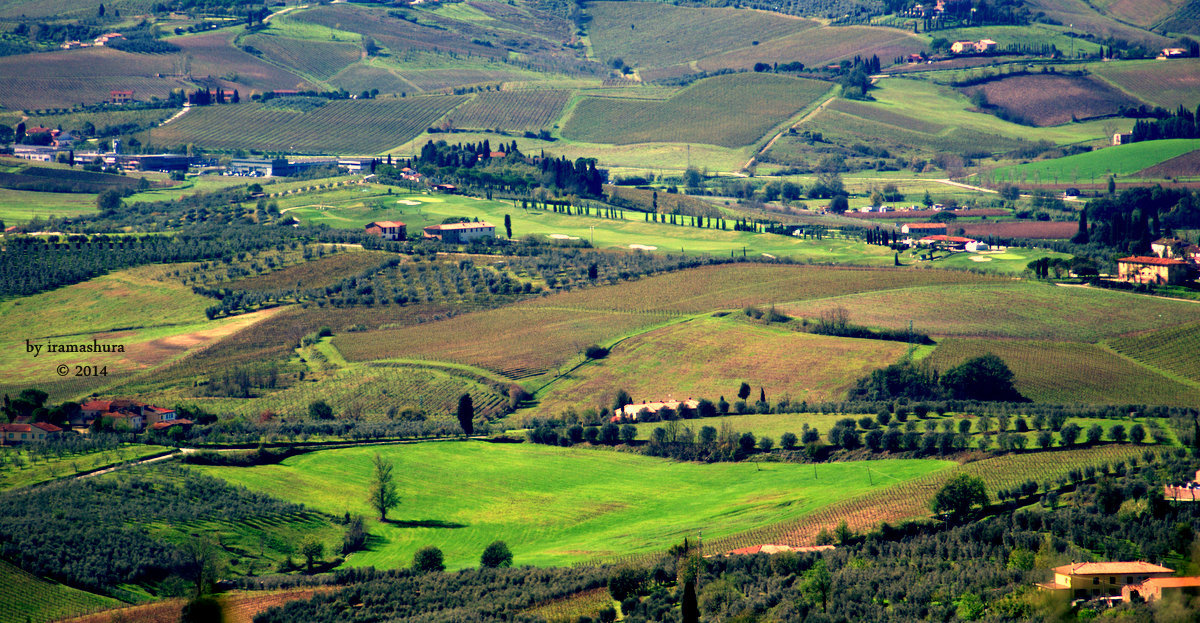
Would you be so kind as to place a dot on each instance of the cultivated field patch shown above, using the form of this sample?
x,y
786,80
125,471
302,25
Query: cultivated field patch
x,y
1045,99
319,59
25,597
1008,310
1070,372
1169,84
710,357
652,34
529,110
731,111
1172,349
366,126
819,46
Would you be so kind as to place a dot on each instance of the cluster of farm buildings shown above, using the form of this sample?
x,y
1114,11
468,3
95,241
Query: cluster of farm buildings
x,y
935,235
122,414
1120,582
1173,261
451,233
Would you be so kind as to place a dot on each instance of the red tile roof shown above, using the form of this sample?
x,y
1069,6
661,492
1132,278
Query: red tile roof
x,y
942,238
49,428
925,225
386,224
170,423
96,405
1111,568
1171,582
1151,261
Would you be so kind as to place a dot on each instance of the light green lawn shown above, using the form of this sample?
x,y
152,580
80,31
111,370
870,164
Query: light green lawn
x,y
556,506
12,476
1120,161
21,206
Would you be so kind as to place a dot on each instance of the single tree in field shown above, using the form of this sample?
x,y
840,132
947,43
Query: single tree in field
x,y
1137,433
427,560
320,410
508,226
959,495
744,391
983,378
1095,433
496,555
1117,433
466,414
311,549
383,487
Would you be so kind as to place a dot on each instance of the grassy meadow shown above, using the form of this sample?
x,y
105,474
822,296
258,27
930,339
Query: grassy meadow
x,y
556,505
25,597
1120,161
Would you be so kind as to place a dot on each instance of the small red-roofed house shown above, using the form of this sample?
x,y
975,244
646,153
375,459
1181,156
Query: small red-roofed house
x,y
455,233
1086,580
1153,270
925,229
24,433
388,230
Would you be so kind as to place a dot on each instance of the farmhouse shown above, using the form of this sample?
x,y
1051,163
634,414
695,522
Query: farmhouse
x,y
1098,579
1153,270
1174,248
925,229
958,47
1173,53
1157,588
1122,139
22,433
136,414
631,411
120,97
455,233
388,230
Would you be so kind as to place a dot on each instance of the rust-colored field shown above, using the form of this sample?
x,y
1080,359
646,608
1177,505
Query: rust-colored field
x,y
237,606
313,274
212,55
1049,99
1179,166
1042,230
65,78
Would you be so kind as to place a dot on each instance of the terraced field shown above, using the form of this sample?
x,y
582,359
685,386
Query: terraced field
x,y
730,111
369,392
319,59
819,46
710,357
1070,372
1168,84
365,126
1020,310
652,34
64,78
1172,349
25,598
512,110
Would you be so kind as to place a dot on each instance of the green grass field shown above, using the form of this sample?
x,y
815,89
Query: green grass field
x,y
1120,161
731,111
27,598
556,506
21,206
155,319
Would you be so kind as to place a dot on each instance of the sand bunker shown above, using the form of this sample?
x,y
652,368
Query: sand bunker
x,y
642,247
409,202
562,237
980,258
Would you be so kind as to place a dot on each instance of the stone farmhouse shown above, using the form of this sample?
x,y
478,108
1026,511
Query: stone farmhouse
x,y
23,433
456,233
1154,270
1089,580
388,230
138,416
630,411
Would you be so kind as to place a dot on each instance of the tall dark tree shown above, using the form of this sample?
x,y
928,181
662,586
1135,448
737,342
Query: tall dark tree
x,y
1081,236
744,391
507,225
466,414
982,378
